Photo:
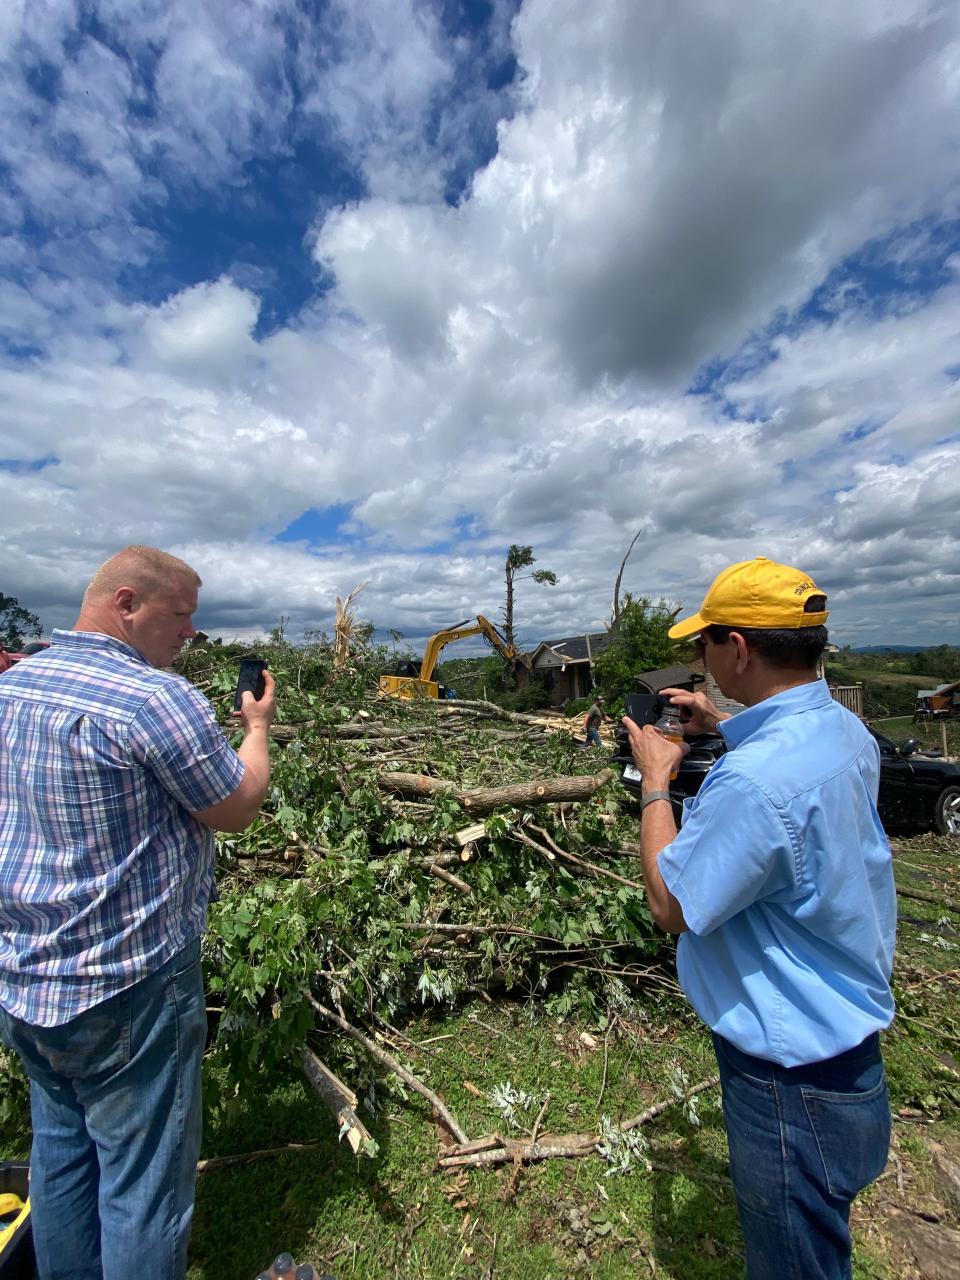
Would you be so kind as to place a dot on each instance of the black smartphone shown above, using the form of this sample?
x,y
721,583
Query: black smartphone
x,y
251,677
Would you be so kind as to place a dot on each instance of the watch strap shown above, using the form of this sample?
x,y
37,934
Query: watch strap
x,y
651,796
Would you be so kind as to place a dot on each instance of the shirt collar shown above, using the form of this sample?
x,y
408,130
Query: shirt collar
x,y
804,697
96,640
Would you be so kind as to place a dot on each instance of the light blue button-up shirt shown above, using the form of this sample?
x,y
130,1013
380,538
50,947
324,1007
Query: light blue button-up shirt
x,y
785,878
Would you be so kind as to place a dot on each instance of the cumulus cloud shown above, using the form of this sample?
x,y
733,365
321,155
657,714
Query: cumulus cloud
x,y
671,200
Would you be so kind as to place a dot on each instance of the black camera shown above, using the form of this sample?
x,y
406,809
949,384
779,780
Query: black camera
x,y
642,708
647,706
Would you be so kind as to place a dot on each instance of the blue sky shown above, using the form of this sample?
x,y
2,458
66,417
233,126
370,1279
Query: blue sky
x,y
317,294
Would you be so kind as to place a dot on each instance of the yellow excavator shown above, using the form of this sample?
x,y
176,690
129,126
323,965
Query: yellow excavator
x,y
404,680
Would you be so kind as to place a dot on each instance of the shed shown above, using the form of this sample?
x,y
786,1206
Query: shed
x,y
942,701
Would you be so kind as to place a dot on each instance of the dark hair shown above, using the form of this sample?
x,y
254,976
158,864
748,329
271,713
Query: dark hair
x,y
793,647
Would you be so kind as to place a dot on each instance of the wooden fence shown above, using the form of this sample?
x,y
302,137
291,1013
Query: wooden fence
x,y
849,696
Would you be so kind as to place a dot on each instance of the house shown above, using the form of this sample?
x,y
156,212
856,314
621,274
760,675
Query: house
x,y
939,702
565,667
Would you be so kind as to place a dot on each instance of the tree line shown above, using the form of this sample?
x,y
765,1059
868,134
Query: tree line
x,y
940,662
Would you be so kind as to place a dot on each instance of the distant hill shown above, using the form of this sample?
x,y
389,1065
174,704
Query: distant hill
x,y
891,648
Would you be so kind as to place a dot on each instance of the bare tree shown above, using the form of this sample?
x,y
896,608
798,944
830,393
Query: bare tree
x,y
520,558
615,610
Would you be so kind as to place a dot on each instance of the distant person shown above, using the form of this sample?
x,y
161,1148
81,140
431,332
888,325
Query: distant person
x,y
114,777
780,885
593,720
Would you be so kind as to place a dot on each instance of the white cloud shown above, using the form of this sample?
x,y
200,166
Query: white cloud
x,y
675,182
205,332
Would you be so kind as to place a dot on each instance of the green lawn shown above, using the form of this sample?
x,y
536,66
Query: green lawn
x,y
899,728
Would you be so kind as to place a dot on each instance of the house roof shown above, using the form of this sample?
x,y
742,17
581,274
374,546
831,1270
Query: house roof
x,y
570,649
940,689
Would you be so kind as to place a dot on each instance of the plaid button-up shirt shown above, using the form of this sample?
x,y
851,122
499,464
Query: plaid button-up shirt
x,y
104,875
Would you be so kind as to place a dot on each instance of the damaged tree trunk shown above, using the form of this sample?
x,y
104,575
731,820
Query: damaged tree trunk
x,y
484,800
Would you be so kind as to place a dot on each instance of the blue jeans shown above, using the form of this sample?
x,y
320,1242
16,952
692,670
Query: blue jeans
x,y
803,1141
593,738
116,1112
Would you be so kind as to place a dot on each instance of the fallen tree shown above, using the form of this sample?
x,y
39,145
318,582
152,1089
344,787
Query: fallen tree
x,y
409,855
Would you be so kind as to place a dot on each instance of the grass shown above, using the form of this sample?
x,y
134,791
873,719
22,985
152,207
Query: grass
x,y
397,1217
928,731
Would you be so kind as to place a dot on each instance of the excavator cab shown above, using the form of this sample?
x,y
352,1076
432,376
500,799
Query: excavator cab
x,y
402,680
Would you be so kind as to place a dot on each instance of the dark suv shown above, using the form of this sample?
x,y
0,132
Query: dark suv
x,y
916,789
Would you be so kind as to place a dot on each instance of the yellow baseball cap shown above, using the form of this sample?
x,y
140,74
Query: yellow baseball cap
x,y
755,593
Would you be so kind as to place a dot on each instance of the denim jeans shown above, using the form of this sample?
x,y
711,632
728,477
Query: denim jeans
x,y
116,1112
803,1141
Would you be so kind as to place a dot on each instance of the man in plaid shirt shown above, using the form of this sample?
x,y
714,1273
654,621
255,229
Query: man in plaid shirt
x,y
113,778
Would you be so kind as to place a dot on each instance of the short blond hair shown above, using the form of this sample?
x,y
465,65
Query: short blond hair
x,y
149,571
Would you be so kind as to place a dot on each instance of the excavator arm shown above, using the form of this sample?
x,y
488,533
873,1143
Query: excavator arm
x,y
437,643
424,685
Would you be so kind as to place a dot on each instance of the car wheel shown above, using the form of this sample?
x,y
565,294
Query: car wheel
x,y
946,817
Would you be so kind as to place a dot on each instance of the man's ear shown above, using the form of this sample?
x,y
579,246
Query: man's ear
x,y
124,599
743,651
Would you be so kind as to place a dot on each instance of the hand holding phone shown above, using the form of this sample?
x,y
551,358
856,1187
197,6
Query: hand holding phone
x,y
250,678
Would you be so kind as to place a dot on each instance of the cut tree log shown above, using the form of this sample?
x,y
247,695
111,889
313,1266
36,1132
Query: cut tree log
x,y
283,732
489,709
921,895
485,800
947,1174
341,1101
935,1248
466,835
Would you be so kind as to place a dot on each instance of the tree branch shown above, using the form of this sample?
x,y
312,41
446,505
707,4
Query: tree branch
x,y
387,1060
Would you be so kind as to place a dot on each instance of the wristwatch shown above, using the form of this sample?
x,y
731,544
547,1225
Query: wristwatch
x,y
651,796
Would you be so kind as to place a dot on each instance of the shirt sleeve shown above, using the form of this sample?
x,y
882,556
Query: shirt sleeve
x,y
176,736
733,850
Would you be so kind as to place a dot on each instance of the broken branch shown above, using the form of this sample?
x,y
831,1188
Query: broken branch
x,y
486,799
340,1100
567,1145
387,1060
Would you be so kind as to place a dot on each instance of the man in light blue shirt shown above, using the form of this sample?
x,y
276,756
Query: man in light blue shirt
x,y
780,886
